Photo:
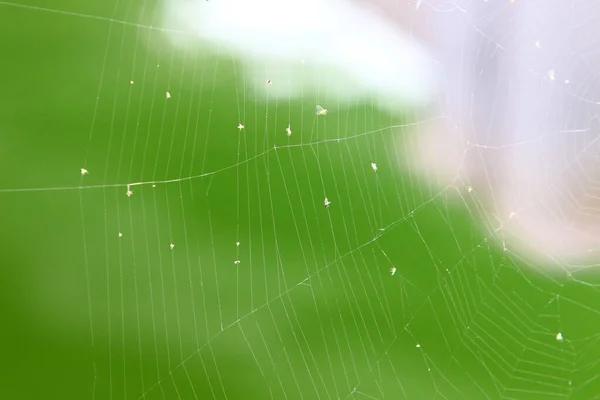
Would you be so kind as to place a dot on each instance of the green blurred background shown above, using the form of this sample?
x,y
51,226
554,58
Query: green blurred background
x,y
97,305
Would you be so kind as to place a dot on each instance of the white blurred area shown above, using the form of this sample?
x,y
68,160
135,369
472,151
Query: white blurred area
x,y
515,82
331,48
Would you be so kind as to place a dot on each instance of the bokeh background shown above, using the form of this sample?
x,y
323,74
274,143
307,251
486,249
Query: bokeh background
x,y
110,296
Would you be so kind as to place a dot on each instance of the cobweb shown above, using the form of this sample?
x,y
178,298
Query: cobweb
x,y
209,266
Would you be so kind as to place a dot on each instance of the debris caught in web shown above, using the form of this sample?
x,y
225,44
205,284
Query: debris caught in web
x,y
321,111
168,95
171,245
327,202
374,166
288,130
84,171
240,127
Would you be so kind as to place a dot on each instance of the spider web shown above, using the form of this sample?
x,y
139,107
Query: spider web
x,y
200,259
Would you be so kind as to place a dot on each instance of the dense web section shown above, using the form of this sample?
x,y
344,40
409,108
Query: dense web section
x,y
213,268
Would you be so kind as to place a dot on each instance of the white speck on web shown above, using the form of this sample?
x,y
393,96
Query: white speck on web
x,y
321,111
168,95
559,337
393,270
131,82
537,44
240,127
171,246
288,130
120,234
84,171
374,166
327,202
418,346
236,262
237,244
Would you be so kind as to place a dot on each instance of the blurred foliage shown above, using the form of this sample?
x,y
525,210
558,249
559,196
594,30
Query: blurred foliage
x,y
98,305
